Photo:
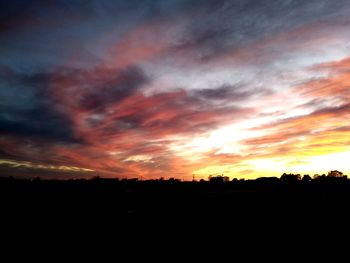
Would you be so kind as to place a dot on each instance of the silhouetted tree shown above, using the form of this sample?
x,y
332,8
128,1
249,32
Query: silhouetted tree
x,y
36,179
218,179
173,180
290,178
306,178
319,177
133,179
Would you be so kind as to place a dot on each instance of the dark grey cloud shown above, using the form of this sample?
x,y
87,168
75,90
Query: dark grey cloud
x,y
230,93
29,105
51,32
218,26
41,121
27,110
221,93
115,86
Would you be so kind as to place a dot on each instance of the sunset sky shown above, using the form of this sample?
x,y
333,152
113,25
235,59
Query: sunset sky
x,y
174,88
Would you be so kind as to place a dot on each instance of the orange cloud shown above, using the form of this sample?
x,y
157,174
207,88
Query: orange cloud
x,y
321,132
336,85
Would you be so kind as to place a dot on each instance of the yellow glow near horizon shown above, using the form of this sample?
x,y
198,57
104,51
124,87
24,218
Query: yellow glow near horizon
x,y
267,167
323,163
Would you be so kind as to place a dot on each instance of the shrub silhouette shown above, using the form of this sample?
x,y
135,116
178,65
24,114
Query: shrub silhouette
x,y
290,178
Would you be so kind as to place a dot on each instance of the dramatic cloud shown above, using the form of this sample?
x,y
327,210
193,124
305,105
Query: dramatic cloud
x,y
27,110
173,88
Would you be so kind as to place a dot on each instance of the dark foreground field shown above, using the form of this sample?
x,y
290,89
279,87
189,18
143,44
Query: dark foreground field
x,y
140,212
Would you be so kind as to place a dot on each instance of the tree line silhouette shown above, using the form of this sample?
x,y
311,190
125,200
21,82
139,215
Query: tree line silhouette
x,y
285,177
165,209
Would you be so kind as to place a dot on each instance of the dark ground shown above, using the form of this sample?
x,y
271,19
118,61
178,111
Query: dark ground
x,y
247,213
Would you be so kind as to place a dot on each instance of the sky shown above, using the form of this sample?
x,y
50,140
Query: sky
x,y
174,88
